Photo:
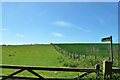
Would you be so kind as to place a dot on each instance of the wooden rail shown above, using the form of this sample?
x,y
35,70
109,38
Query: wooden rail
x,y
50,68
115,69
31,68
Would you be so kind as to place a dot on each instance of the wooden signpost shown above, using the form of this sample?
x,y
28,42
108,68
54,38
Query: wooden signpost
x,y
109,39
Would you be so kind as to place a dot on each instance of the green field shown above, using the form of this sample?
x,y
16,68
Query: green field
x,y
87,48
99,50
34,55
45,55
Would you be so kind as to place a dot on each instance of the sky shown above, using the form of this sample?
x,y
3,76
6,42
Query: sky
x,y
58,22
59,0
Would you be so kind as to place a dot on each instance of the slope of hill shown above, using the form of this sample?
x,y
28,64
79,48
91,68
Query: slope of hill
x,y
33,55
99,49
45,55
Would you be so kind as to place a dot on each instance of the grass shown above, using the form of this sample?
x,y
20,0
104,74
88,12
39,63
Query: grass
x,y
46,56
87,48
33,55
91,49
30,55
91,54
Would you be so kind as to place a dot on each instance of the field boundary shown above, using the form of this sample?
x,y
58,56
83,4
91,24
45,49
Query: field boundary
x,y
31,68
70,54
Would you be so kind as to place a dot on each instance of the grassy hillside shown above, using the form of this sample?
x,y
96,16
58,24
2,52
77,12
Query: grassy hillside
x,y
45,55
90,54
34,55
89,48
98,51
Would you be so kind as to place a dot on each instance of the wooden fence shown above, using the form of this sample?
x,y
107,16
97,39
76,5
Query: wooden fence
x,y
70,54
108,69
115,69
31,68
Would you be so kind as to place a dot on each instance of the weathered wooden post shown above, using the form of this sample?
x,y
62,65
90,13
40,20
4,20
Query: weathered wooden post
x,y
59,49
107,68
111,49
70,55
109,39
119,55
97,67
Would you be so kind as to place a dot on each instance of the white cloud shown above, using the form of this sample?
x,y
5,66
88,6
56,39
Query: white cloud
x,y
3,29
85,30
62,23
69,25
19,35
57,34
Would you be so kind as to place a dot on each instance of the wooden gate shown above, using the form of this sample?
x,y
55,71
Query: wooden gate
x,y
31,68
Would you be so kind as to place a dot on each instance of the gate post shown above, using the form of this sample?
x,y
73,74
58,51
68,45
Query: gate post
x,y
97,67
107,68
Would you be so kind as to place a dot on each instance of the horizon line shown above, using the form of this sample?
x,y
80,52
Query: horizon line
x,y
63,43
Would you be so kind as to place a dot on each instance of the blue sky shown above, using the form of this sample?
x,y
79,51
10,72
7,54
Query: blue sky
x,y
58,22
